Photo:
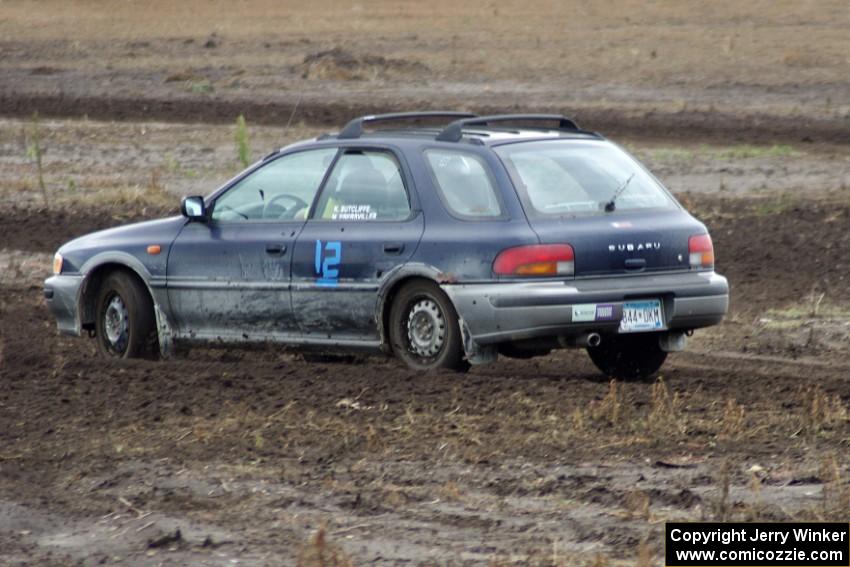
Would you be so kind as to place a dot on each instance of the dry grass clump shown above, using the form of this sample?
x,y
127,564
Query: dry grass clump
x,y
450,491
319,552
836,490
644,555
756,508
636,504
665,410
130,198
612,408
820,411
733,422
338,64
663,416
721,507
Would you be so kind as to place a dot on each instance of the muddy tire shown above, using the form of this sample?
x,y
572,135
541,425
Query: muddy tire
x,y
125,323
424,331
628,358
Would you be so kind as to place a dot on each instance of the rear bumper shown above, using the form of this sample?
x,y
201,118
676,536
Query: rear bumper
x,y
500,312
62,294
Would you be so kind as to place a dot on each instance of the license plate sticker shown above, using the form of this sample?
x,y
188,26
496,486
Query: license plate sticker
x,y
587,312
641,316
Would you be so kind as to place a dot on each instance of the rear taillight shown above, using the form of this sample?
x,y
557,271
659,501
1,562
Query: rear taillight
x,y
701,251
536,260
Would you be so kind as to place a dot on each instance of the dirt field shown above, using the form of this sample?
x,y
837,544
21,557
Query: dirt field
x,y
757,71
256,457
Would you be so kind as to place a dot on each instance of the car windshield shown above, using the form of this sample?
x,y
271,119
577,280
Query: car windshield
x,y
560,177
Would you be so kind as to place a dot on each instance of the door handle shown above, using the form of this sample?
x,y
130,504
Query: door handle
x,y
635,263
393,247
276,249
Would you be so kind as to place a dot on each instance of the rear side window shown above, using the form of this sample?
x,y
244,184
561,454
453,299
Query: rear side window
x,y
464,183
364,186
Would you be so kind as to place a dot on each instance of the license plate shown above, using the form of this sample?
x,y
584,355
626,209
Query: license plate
x,y
640,316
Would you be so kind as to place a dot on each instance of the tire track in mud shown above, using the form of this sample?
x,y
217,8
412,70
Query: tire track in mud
x,y
720,126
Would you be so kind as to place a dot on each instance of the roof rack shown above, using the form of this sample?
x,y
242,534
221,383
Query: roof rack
x,y
454,131
354,129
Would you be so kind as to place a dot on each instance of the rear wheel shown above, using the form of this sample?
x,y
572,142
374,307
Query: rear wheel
x,y
626,358
124,321
424,329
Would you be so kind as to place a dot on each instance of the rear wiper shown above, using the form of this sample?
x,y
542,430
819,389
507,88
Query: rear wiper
x,y
612,204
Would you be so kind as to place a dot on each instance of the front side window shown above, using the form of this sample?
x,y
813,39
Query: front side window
x,y
565,177
283,189
464,184
364,186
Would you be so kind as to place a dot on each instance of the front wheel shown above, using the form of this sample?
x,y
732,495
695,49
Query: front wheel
x,y
125,324
424,329
629,357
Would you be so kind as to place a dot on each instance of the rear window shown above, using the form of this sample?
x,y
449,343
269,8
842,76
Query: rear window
x,y
464,183
566,177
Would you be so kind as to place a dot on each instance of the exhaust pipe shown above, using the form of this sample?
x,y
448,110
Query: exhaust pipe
x,y
673,341
581,341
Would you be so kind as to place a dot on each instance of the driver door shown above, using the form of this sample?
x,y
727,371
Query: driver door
x,y
229,277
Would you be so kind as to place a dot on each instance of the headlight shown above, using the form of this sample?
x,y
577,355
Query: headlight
x,y
57,263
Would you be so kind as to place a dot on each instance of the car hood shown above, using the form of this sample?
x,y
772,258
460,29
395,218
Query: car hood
x,y
132,239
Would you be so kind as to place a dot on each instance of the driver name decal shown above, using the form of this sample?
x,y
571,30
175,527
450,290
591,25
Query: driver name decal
x,y
353,212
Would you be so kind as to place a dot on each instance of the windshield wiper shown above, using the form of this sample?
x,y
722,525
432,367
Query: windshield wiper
x,y
612,204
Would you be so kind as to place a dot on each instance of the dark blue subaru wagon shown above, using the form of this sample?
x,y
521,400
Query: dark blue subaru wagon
x,y
445,246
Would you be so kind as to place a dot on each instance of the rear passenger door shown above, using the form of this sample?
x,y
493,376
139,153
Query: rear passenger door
x,y
362,226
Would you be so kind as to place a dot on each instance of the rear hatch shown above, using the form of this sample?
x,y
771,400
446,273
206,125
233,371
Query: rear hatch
x,y
623,242
594,196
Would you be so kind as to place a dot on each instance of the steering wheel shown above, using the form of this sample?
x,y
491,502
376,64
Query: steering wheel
x,y
273,210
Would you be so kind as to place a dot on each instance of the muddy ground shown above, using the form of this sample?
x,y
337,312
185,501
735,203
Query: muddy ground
x,y
258,457
261,457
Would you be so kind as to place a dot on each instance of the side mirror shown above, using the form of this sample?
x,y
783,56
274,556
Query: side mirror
x,y
193,208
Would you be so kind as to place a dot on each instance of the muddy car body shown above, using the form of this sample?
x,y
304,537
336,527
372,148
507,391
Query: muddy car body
x,y
506,235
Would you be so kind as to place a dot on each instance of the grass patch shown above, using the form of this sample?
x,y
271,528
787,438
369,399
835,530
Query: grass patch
x,y
173,166
243,150
747,151
706,152
775,205
127,197
673,154
203,87
35,152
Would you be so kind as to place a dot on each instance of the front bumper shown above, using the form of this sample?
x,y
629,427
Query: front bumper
x,y
497,312
62,293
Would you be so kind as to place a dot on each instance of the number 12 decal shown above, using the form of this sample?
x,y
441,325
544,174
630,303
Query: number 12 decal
x,y
328,258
